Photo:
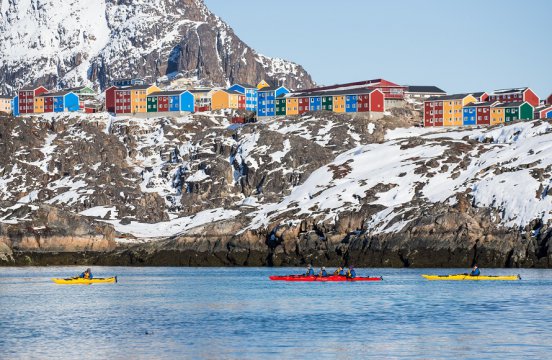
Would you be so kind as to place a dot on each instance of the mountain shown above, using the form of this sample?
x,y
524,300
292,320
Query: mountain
x,y
62,43
323,188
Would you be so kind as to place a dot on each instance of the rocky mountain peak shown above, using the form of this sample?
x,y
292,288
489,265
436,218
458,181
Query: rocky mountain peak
x,y
68,42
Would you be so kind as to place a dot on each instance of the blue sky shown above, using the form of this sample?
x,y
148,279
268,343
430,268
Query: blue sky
x,y
462,45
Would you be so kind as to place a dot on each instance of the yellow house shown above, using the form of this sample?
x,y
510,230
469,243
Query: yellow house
x,y
339,104
262,84
5,105
497,115
220,100
233,99
138,97
453,108
38,104
292,106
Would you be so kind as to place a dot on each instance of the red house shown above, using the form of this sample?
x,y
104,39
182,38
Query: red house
x,y
481,96
241,102
27,98
162,103
483,112
48,104
549,100
123,101
303,105
515,95
110,99
433,112
372,100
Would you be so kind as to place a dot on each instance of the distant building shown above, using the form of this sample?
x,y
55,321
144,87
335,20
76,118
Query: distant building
x,y
55,102
171,101
549,100
26,99
6,104
446,110
133,99
515,95
127,82
266,103
479,113
415,92
227,99
250,93
203,98
516,111
480,96
543,112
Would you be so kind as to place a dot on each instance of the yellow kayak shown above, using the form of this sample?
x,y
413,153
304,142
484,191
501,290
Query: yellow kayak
x,y
82,281
468,277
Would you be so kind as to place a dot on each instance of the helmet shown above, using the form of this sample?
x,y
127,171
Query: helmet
x,y
323,268
88,270
308,266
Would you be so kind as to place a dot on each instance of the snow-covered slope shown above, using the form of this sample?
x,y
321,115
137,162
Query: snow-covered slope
x,y
69,42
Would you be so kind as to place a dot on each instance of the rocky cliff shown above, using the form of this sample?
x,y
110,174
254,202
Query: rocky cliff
x,y
321,188
65,43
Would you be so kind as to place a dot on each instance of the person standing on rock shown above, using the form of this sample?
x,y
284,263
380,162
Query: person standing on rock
x,y
310,271
475,271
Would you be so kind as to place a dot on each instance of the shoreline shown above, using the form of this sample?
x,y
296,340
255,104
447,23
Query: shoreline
x,y
186,258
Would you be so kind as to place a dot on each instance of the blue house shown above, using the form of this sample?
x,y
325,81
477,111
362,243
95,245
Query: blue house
x,y
250,93
266,102
315,103
350,103
64,101
15,106
469,115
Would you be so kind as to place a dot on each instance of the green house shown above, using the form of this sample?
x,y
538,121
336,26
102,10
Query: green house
x,y
517,111
152,103
327,103
280,106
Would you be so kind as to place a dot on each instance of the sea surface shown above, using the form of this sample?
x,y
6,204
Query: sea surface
x,y
238,313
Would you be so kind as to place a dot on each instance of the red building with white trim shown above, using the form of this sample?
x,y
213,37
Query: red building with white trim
x,y
515,95
27,98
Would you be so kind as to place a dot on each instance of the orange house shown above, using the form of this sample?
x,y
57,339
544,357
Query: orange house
x,y
138,97
339,104
292,106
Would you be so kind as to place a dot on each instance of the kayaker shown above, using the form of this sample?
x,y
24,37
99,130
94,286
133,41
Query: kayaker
x,y
323,272
339,271
87,274
310,271
351,273
475,271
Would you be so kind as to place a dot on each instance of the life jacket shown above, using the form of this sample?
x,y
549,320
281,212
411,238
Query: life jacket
x,y
310,272
323,273
86,275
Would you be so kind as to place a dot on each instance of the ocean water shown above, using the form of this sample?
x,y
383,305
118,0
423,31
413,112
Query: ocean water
x,y
238,313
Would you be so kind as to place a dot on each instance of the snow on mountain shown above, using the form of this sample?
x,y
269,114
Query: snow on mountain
x,y
68,42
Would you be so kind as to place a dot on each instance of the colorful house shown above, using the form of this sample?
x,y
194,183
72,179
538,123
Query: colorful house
x,y
515,95
110,98
327,103
127,82
549,100
373,101
478,111
39,104
338,103
281,105
447,110
26,98
542,111
171,101
15,106
350,103
263,84
304,104
227,99
250,93
266,103
516,111
480,96
292,105
497,115
315,103
203,98
60,101
133,99
6,105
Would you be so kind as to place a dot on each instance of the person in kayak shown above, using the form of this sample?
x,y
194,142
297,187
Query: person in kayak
x,y
323,272
475,271
339,271
310,271
351,273
87,274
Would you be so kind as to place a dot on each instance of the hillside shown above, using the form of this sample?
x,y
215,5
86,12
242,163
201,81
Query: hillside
x,y
196,190
68,43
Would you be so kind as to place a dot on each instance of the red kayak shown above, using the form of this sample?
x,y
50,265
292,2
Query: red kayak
x,y
320,278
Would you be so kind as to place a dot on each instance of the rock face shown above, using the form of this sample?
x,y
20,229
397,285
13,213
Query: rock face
x,y
65,43
322,188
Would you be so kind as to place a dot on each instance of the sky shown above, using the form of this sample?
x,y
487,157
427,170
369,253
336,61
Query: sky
x,y
459,46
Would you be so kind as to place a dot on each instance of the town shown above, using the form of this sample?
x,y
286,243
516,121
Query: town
x,y
371,98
